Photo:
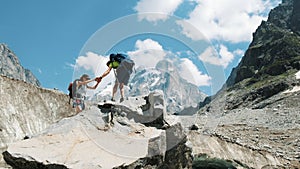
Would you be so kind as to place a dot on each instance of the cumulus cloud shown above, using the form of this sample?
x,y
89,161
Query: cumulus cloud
x,y
90,61
160,9
94,63
239,52
190,72
221,58
148,52
228,20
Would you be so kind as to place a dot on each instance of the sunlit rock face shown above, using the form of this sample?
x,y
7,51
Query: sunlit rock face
x,y
126,143
10,66
27,109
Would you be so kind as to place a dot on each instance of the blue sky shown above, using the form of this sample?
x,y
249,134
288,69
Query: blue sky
x,y
51,38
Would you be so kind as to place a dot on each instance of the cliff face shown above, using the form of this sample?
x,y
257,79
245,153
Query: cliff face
x,y
271,60
27,109
11,67
258,109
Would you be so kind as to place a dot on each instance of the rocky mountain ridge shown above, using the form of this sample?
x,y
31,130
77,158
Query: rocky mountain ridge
x,y
274,49
258,108
165,76
10,66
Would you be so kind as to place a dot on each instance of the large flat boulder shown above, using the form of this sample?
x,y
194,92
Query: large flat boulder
x,y
82,142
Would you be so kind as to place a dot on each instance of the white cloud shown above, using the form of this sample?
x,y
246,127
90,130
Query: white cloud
x,y
148,52
90,62
228,20
226,56
190,72
239,52
211,56
154,10
95,63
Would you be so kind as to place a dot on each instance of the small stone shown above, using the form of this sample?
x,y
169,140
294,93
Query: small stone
x,y
267,146
26,137
194,127
123,114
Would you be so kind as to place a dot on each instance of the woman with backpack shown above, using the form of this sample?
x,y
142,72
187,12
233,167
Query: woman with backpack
x,y
79,88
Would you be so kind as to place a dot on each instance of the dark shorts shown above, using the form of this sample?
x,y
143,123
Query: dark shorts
x,y
122,75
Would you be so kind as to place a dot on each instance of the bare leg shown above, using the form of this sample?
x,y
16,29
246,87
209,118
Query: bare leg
x,y
115,88
121,86
78,109
122,89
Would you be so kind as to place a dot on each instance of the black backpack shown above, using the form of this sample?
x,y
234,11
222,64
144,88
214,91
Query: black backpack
x,y
119,57
70,90
124,61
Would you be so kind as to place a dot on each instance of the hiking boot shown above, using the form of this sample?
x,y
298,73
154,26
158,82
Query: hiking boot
x,y
122,99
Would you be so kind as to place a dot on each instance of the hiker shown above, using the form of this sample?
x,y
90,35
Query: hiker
x,y
79,87
122,66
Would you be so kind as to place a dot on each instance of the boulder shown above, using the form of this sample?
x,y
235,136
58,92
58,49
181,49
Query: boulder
x,y
87,141
81,142
149,110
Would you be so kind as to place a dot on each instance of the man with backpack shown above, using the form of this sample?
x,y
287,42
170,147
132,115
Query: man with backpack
x,y
123,67
78,91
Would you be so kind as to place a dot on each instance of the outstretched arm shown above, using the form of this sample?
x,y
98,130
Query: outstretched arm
x,y
106,72
93,87
85,82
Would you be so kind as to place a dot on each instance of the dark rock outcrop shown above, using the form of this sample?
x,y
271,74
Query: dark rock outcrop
x,y
271,60
295,19
22,163
10,66
275,48
257,111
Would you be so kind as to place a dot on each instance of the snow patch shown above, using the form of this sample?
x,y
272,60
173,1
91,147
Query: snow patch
x,y
296,88
298,75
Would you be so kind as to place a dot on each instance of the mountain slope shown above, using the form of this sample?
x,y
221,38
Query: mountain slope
x,y
179,93
258,108
275,46
272,58
26,109
10,66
